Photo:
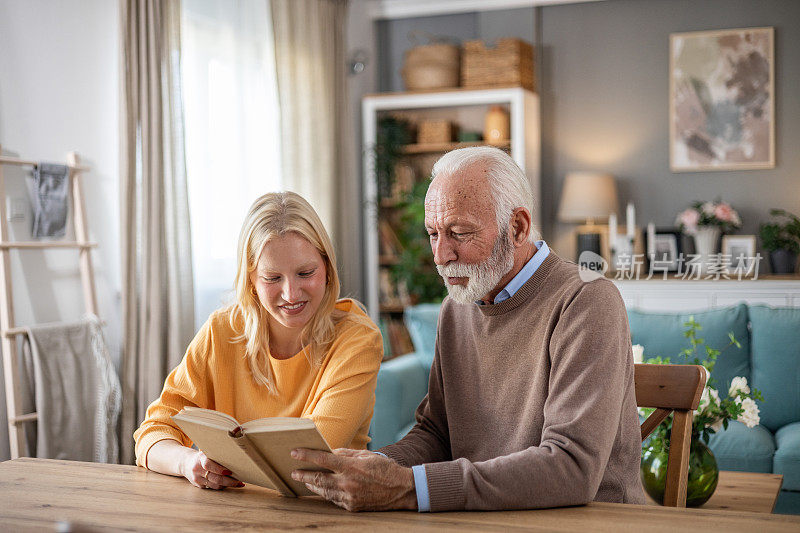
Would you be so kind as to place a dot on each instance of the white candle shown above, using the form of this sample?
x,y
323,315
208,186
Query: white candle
x,y
630,220
651,239
612,231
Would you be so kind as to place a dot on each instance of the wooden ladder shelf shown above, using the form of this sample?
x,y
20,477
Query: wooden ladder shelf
x,y
8,331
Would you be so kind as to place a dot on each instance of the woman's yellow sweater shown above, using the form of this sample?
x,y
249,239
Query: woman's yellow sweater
x,y
338,396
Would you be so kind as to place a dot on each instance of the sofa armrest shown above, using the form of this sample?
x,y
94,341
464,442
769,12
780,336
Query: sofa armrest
x,y
402,383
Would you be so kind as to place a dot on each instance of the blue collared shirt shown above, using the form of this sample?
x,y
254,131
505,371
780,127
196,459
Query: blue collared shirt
x,y
527,271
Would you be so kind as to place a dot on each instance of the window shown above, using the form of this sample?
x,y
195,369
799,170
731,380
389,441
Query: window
x,y
232,126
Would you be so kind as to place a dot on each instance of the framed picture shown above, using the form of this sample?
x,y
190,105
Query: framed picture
x,y
742,251
666,249
722,100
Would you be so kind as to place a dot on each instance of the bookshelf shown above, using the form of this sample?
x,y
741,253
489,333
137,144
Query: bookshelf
x,y
467,109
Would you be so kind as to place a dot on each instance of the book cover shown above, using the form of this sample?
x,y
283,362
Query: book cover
x,y
257,451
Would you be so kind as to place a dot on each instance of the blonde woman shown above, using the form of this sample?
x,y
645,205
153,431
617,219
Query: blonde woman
x,y
287,347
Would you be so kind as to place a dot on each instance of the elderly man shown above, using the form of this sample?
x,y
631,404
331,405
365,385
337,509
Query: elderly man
x,y
531,399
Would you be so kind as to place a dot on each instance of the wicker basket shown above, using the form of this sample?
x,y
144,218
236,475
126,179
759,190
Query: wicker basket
x,y
509,63
431,66
435,132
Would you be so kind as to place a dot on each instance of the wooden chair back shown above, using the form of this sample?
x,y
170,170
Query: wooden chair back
x,y
671,388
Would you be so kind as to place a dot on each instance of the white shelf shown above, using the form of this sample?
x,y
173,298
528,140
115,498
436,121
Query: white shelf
x,y
525,145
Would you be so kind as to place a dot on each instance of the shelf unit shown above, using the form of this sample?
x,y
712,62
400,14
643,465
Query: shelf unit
x,y
466,108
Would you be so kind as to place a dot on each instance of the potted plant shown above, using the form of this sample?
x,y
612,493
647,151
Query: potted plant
x,y
706,221
713,414
393,133
782,240
416,269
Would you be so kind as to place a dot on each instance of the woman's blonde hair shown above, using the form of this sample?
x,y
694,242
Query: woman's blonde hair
x,y
274,215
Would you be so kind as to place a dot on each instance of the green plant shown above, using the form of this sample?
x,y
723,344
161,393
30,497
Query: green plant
x,y
713,413
393,133
415,267
781,236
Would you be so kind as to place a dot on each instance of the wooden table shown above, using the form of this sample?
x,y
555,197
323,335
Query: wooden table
x,y
37,494
744,491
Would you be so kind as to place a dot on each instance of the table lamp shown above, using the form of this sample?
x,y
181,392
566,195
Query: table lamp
x,y
586,197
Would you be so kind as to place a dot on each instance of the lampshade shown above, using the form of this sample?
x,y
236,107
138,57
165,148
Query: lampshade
x,y
586,196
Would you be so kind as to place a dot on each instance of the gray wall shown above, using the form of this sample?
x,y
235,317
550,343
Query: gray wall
x,y
604,75
394,39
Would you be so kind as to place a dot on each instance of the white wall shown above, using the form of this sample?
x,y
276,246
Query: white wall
x,y
59,76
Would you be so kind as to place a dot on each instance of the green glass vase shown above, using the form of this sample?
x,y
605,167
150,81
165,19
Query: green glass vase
x,y
703,471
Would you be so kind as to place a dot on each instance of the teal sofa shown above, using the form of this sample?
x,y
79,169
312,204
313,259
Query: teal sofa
x,y
769,358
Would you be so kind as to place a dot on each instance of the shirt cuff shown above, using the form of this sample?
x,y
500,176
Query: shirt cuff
x,y
421,485
379,453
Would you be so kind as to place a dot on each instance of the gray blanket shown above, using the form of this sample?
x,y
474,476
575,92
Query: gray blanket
x,y
75,390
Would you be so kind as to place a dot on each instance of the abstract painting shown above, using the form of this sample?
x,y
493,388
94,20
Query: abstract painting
x,y
722,102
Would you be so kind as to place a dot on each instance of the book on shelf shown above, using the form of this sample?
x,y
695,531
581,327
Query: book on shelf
x,y
383,326
389,242
257,451
399,339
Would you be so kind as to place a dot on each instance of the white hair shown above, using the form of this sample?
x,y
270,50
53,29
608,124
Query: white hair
x,y
510,188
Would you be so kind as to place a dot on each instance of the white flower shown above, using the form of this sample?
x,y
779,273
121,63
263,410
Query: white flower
x,y
638,353
706,402
708,208
714,396
738,384
750,416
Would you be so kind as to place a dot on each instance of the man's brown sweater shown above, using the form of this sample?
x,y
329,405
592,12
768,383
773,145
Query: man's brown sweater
x,y
531,401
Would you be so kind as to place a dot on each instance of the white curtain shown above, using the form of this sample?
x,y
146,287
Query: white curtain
x,y
157,295
232,132
310,63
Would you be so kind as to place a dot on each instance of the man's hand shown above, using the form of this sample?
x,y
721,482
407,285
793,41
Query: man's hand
x,y
360,481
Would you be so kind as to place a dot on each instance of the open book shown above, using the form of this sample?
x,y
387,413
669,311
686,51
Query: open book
x,y
258,451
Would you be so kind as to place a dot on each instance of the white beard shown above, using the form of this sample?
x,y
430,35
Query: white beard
x,y
481,277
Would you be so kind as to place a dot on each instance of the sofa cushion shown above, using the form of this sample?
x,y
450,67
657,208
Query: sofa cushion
x,y
775,347
403,432
421,323
787,456
662,334
402,383
743,449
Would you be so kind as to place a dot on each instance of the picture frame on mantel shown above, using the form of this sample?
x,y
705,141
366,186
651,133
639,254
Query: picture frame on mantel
x,y
667,248
722,100
739,251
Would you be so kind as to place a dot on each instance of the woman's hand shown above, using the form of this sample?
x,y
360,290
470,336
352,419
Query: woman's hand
x,y
204,473
172,458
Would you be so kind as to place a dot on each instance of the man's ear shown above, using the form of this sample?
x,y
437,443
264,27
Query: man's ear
x,y
520,226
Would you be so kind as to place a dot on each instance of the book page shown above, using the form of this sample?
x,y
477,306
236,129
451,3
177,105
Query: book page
x,y
222,448
278,423
220,419
276,441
